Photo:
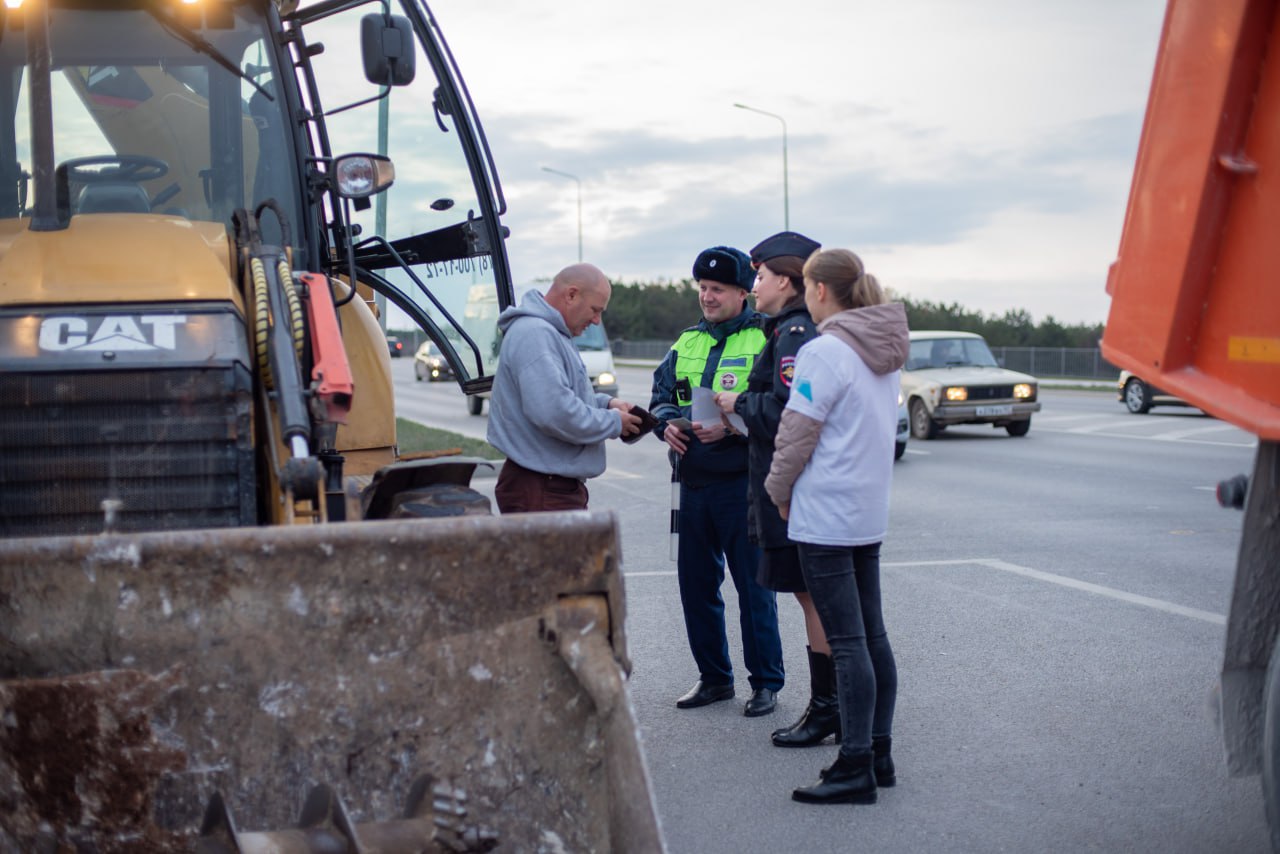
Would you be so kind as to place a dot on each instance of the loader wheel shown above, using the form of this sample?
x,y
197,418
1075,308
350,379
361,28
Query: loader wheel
x,y
439,500
1271,747
474,404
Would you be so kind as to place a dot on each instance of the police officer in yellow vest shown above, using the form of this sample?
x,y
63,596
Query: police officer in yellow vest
x,y
718,354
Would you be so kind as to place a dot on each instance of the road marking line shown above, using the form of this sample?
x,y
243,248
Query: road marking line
x,y
1141,438
1039,575
1178,434
1102,425
1054,419
1075,584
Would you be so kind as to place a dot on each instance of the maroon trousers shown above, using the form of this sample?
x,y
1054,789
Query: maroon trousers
x,y
520,490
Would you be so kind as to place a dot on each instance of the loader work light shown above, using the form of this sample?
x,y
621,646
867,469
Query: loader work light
x,y
359,176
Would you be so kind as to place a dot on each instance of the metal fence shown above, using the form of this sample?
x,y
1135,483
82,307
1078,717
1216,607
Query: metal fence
x,y
1052,362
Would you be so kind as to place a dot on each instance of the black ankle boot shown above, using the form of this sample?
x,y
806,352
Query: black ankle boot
x,y
821,717
849,781
883,762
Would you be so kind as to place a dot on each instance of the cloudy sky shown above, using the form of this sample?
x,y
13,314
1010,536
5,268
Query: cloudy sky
x,y
976,152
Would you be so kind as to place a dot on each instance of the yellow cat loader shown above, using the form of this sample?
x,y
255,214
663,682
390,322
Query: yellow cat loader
x,y
232,616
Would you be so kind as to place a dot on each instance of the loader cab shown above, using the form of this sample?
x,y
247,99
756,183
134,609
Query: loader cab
x,y
134,137
189,111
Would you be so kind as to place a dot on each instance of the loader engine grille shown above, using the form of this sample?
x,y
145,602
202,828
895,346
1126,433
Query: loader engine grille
x,y
141,421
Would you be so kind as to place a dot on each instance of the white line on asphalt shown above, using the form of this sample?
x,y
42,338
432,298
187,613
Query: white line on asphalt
x,y
1179,434
1143,438
1054,419
1102,425
1039,575
1075,584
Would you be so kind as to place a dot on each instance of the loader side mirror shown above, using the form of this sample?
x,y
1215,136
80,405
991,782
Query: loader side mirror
x,y
386,43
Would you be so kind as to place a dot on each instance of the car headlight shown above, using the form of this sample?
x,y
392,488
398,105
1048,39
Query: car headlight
x,y
606,378
1024,391
899,397
957,393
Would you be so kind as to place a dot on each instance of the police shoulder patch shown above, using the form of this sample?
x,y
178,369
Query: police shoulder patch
x,y
787,370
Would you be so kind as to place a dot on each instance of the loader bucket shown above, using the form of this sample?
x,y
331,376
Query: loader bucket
x,y
459,679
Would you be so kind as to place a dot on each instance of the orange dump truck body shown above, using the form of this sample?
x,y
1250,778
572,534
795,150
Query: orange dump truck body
x,y
1195,302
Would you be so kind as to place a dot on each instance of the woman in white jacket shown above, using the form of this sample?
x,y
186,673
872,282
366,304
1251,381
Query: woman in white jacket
x,y
830,479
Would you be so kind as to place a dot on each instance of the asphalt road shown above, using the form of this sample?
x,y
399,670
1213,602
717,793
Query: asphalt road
x,y
1056,605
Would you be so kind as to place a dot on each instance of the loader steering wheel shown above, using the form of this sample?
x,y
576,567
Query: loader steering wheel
x,y
134,168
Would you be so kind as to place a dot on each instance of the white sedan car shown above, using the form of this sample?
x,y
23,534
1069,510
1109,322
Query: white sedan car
x,y
952,378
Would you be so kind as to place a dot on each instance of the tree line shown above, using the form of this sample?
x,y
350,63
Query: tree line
x,y
640,311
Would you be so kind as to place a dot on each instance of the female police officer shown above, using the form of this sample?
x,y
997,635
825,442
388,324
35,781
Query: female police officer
x,y
779,289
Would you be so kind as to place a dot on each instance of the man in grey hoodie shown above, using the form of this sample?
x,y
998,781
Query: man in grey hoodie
x,y
543,414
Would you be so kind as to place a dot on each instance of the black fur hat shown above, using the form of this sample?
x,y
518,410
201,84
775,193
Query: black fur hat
x,y
726,265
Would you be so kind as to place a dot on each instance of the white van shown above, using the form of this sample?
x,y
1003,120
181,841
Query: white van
x,y
597,356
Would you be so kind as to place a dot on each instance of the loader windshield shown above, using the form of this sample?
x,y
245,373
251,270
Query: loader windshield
x,y
432,243
155,111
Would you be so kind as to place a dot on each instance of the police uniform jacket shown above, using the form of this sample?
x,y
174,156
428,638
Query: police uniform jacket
x,y
761,407
720,357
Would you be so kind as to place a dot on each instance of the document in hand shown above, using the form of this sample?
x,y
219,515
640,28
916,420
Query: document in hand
x,y
705,411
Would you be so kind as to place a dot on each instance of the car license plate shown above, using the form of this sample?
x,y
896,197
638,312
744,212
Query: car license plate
x,y
1007,409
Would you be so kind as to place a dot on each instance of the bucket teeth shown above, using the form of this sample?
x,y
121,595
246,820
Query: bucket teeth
x,y
435,820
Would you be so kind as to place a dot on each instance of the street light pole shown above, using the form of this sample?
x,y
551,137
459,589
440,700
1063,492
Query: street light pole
x,y
786,193
577,181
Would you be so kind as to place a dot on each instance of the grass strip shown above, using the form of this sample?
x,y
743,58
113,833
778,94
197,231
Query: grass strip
x,y
414,438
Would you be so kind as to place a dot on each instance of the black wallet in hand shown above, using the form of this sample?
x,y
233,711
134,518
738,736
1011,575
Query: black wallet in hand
x,y
647,423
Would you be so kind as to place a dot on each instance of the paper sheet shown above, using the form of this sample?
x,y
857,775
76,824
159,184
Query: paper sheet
x,y
705,411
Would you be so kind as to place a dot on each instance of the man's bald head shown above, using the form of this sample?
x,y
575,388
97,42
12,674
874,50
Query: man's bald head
x,y
580,292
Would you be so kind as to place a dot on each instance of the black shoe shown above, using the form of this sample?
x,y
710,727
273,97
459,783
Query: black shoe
x,y
821,717
882,763
849,781
763,701
705,695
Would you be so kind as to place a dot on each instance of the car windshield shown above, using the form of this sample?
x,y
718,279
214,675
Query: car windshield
x,y
592,339
950,353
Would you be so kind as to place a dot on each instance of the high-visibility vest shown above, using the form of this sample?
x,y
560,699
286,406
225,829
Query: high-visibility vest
x,y
694,347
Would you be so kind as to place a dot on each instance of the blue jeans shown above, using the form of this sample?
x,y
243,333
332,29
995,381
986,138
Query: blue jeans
x,y
713,527
844,582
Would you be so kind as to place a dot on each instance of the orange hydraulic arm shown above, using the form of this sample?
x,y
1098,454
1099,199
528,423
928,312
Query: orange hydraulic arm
x,y
331,371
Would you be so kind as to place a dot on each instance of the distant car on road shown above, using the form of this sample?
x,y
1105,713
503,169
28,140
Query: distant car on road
x,y
904,428
430,364
1138,395
952,378
396,346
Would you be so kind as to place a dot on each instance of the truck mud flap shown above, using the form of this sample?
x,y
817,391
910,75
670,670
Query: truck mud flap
x,y
153,685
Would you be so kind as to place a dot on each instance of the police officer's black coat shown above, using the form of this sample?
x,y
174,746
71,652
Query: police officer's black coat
x,y
768,387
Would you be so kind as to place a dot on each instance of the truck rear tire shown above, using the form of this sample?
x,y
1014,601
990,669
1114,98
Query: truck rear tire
x,y
1271,747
